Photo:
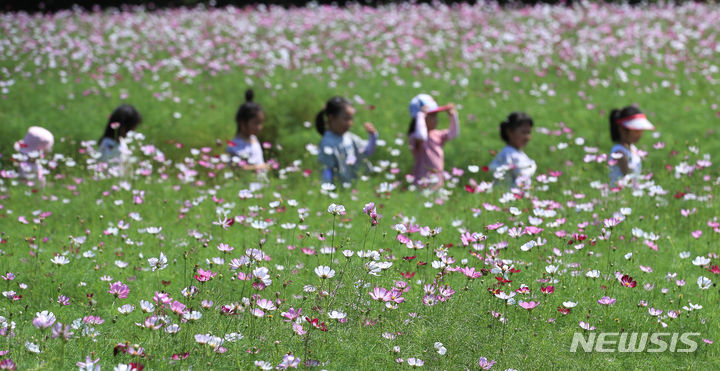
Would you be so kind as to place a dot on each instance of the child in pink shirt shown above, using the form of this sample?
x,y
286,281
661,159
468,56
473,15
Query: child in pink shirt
x,y
426,140
37,143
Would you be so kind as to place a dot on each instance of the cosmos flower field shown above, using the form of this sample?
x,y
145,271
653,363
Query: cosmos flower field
x,y
189,262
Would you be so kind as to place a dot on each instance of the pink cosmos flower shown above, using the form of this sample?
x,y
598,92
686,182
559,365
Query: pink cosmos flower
x,y
119,290
178,307
60,331
606,300
292,314
289,361
586,326
89,364
153,323
298,329
470,272
395,296
43,319
531,230
485,364
162,298
529,305
204,276
380,294
225,248
93,320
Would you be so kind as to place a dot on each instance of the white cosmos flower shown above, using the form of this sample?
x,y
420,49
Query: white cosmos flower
x,y
701,260
415,362
593,274
527,246
505,296
233,337
158,263
684,254
551,269
440,348
336,209
192,316
324,272
336,315
173,329
60,260
127,308
147,306
704,283
32,347
153,230
569,304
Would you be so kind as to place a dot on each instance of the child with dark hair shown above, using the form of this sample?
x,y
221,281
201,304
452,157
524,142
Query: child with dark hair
x,y
626,129
123,120
249,120
427,141
342,153
512,165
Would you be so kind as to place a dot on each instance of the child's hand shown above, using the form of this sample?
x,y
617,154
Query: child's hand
x,y
370,128
452,111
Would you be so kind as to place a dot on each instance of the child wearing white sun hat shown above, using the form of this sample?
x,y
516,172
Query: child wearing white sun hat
x,y
426,140
37,142
626,129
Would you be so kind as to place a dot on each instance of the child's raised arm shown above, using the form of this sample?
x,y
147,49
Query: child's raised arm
x,y
372,140
421,133
454,130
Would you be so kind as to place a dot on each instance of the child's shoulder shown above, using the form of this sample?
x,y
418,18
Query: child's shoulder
x,y
617,147
330,138
507,151
107,142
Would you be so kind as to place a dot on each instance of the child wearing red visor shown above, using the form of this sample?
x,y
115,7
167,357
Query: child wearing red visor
x,y
626,129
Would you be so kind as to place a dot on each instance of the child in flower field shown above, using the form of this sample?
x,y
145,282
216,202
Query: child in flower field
x,y
426,140
246,146
342,154
512,165
113,146
626,129
37,143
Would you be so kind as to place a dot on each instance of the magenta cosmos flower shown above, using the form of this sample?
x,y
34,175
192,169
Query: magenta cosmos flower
x,y
628,281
